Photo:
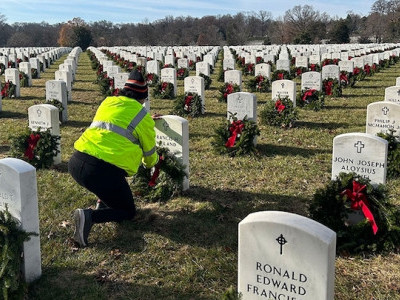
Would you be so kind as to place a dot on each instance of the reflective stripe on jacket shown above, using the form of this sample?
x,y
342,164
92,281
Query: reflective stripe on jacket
x,y
122,133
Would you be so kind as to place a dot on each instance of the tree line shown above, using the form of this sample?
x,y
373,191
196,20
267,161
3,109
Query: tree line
x,y
299,25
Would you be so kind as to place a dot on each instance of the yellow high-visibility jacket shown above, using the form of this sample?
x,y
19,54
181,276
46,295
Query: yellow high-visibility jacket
x,y
122,133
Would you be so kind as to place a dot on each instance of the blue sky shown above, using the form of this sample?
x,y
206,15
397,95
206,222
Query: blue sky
x,y
123,11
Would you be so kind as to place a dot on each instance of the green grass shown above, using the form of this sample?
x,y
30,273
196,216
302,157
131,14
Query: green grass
x,y
187,248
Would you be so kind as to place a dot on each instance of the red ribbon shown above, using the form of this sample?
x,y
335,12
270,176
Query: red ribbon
x,y
188,99
32,142
367,69
299,71
313,67
156,173
356,71
328,87
279,106
164,85
235,129
280,76
343,78
308,93
4,90
359,202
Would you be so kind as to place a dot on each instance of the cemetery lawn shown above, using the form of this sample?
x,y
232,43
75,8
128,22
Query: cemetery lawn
x,y
187,248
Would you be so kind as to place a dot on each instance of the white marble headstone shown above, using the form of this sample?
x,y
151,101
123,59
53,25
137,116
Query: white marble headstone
x,y
57,90
285,256
173,133
169,75
330,71
243,104
392,94
233,77
202,68
383,116
361,153
311,80
284,88
263,70
12,75
18,190
195,84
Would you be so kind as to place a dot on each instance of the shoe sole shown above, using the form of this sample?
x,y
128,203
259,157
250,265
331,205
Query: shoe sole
x,y
79,216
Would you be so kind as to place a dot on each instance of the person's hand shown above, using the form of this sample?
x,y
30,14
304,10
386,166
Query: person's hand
x,y
156,116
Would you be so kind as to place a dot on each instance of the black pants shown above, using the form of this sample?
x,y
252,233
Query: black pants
x,y
108,183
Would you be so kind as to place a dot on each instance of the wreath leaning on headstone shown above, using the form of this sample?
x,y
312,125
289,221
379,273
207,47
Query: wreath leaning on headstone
x,y
163,90
331,87
8,90
35,147
337,204
393,157
279,112
12,285
163,182
311,99
188,105
226,89
207,81
259,83
236,137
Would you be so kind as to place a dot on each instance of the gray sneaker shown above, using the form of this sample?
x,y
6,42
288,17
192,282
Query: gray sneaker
x,y
83,224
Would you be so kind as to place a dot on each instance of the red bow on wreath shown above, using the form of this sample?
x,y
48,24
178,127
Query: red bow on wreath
x,y
313,67
228,90
367,69
359,202
32,142
328,87
236,128
164,86
281,76
308,93
344,78
279,106
4,91
156,173
188,99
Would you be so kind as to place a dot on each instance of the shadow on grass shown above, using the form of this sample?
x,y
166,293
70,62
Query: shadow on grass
x,y
273,150
97,282
320,125
345,106
81,102
357,95
208,227
77,124
12,115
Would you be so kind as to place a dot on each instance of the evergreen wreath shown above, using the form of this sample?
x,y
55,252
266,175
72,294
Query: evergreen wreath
x,y
315,67
280,74
359,75
248,69
151,79
259,83
311,99
236,137
24,79
8,90
182,73
226,89
36,147
188,105
207,81
346,79
164,90
164,183
279,112
349,192
297,71
35,73
393,157
57,104
331,87
12,237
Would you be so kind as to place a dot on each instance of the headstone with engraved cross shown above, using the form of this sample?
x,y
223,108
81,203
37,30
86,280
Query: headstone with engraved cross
x,y
361,153
392,94
285,256
382,117
284,88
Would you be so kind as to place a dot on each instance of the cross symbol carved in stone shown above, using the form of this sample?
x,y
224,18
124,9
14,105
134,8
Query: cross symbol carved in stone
x,y
359,145
385,110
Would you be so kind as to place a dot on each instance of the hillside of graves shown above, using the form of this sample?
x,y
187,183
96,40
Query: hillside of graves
x,y
187,247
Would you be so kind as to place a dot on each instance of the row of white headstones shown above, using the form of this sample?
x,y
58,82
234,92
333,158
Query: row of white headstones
x,y
258,269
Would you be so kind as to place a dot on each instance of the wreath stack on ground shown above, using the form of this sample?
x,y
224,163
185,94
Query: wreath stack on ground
x,y
36,147
280,112
331,87
259,83
236,137
311,99
335,205
165,182
164,90
188,105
